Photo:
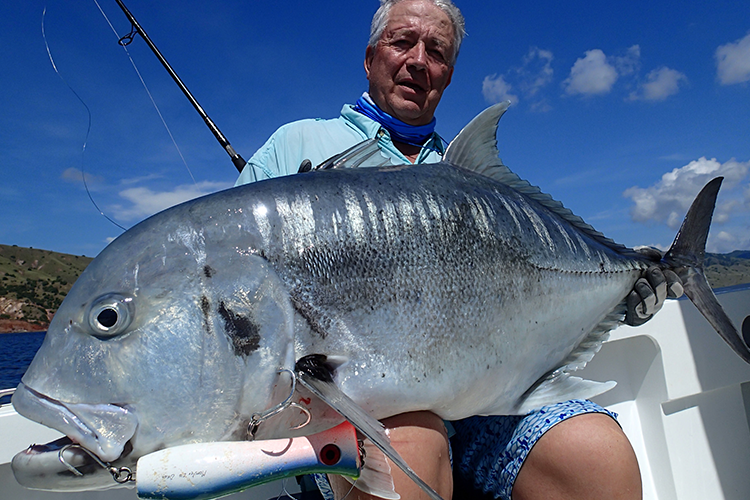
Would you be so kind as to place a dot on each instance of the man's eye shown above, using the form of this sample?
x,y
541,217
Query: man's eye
x,y
403,44
437,54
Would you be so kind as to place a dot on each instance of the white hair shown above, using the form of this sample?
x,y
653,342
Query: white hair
x,y
380,20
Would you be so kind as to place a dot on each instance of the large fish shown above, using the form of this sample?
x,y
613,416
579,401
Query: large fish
x,y
454,287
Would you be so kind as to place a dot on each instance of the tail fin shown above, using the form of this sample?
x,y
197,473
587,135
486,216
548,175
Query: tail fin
x,y
686,256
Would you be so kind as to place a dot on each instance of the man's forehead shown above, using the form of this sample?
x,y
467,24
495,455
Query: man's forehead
x,y
420,18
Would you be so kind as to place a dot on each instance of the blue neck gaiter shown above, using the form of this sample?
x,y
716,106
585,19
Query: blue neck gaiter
x,y
400,131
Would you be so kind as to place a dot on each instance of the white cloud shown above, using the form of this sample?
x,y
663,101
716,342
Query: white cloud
x,y
725,242
536,70
733,61
528,79
630,63
75,176
668,200
495,89
144,201
591,75
660,84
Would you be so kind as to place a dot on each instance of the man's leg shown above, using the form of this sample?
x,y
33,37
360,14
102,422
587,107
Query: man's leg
x,y
584,457
421,439
573,449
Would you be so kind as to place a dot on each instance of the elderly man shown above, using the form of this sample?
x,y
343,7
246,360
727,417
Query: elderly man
x,y
570,450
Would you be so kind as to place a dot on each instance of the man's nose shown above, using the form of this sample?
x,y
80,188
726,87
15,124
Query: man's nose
x,y
418,56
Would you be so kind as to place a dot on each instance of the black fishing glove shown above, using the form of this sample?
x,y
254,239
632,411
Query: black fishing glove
x,y
650,291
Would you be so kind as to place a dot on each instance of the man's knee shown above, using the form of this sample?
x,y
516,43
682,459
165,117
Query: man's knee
x,y
584,457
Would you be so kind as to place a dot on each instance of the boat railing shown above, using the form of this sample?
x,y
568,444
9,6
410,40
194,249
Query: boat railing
x,y
6,393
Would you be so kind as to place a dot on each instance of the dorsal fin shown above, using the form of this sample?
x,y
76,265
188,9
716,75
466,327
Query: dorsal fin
x,y
475,149
475,146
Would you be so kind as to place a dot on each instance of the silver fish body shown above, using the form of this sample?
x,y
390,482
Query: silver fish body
x,y
426,287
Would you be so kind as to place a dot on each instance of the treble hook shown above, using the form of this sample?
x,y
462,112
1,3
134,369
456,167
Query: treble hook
x,y
258,418
128,39
121,475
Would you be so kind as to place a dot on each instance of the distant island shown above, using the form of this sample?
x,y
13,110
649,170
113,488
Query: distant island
x,y
33,283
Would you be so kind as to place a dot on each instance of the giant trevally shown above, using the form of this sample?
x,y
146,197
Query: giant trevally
x,y
454,287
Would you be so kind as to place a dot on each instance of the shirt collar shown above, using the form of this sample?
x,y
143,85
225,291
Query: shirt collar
x,y
370,129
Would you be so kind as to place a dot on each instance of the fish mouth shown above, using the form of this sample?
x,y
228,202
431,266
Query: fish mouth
x,y
102,429
62,465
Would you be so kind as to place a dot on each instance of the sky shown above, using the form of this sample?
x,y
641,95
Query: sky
x,y
621,110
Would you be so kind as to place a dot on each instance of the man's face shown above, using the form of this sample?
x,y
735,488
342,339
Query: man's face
x,y
410,66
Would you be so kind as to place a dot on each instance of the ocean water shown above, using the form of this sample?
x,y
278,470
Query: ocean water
x,y
16,352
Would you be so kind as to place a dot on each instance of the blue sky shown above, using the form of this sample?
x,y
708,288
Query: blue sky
x,y
622,110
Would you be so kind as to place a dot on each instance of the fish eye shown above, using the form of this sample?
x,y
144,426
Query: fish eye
x,y
111,315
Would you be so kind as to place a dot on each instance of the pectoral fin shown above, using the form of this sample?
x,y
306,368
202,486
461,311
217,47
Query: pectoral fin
x,y
557,387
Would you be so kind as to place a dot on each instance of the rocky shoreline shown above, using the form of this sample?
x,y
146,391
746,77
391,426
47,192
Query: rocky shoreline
x,y
19,326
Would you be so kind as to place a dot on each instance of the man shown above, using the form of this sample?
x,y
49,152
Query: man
x,y
571,450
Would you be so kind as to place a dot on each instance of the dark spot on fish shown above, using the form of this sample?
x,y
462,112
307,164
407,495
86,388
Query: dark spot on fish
x,y
206,310
316,366
243,332
314,319
208,271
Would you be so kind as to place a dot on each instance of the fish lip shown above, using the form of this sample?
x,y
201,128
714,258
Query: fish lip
x,y
75,421
41,467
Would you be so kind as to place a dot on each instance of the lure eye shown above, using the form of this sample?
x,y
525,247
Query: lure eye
x,y
330,454
111,315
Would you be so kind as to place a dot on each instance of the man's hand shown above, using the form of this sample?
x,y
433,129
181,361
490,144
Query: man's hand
x,y
649,293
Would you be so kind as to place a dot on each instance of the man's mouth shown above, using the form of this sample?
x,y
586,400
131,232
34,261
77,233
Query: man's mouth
x,y
416,87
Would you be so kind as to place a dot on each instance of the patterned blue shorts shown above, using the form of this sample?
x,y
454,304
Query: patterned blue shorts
x,y
488,452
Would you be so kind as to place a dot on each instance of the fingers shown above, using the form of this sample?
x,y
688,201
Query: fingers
x,y
649,299
658,284
674,284
634,315
649,294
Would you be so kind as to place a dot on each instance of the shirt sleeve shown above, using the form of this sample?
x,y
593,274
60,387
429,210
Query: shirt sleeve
x,y
274,159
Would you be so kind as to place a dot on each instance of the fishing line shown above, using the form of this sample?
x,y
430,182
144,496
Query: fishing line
x,y
123,42
284,492
88,128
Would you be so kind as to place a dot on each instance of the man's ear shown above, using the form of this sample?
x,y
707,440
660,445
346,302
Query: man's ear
x,y
369,54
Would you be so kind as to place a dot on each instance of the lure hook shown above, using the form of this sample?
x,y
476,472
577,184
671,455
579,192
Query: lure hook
x,y
121,475
258,418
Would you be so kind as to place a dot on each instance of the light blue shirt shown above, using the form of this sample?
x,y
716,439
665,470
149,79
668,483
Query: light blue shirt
x,y
318,140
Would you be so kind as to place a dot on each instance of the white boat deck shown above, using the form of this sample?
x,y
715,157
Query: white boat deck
x,y
683,398
684,401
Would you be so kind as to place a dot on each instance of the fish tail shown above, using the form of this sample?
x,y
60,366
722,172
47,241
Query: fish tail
x,y
686,256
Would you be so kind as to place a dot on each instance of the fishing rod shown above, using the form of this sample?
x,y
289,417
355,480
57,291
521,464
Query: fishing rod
x,y
238,161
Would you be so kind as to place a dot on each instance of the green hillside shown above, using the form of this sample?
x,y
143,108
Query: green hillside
x,y
34,282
